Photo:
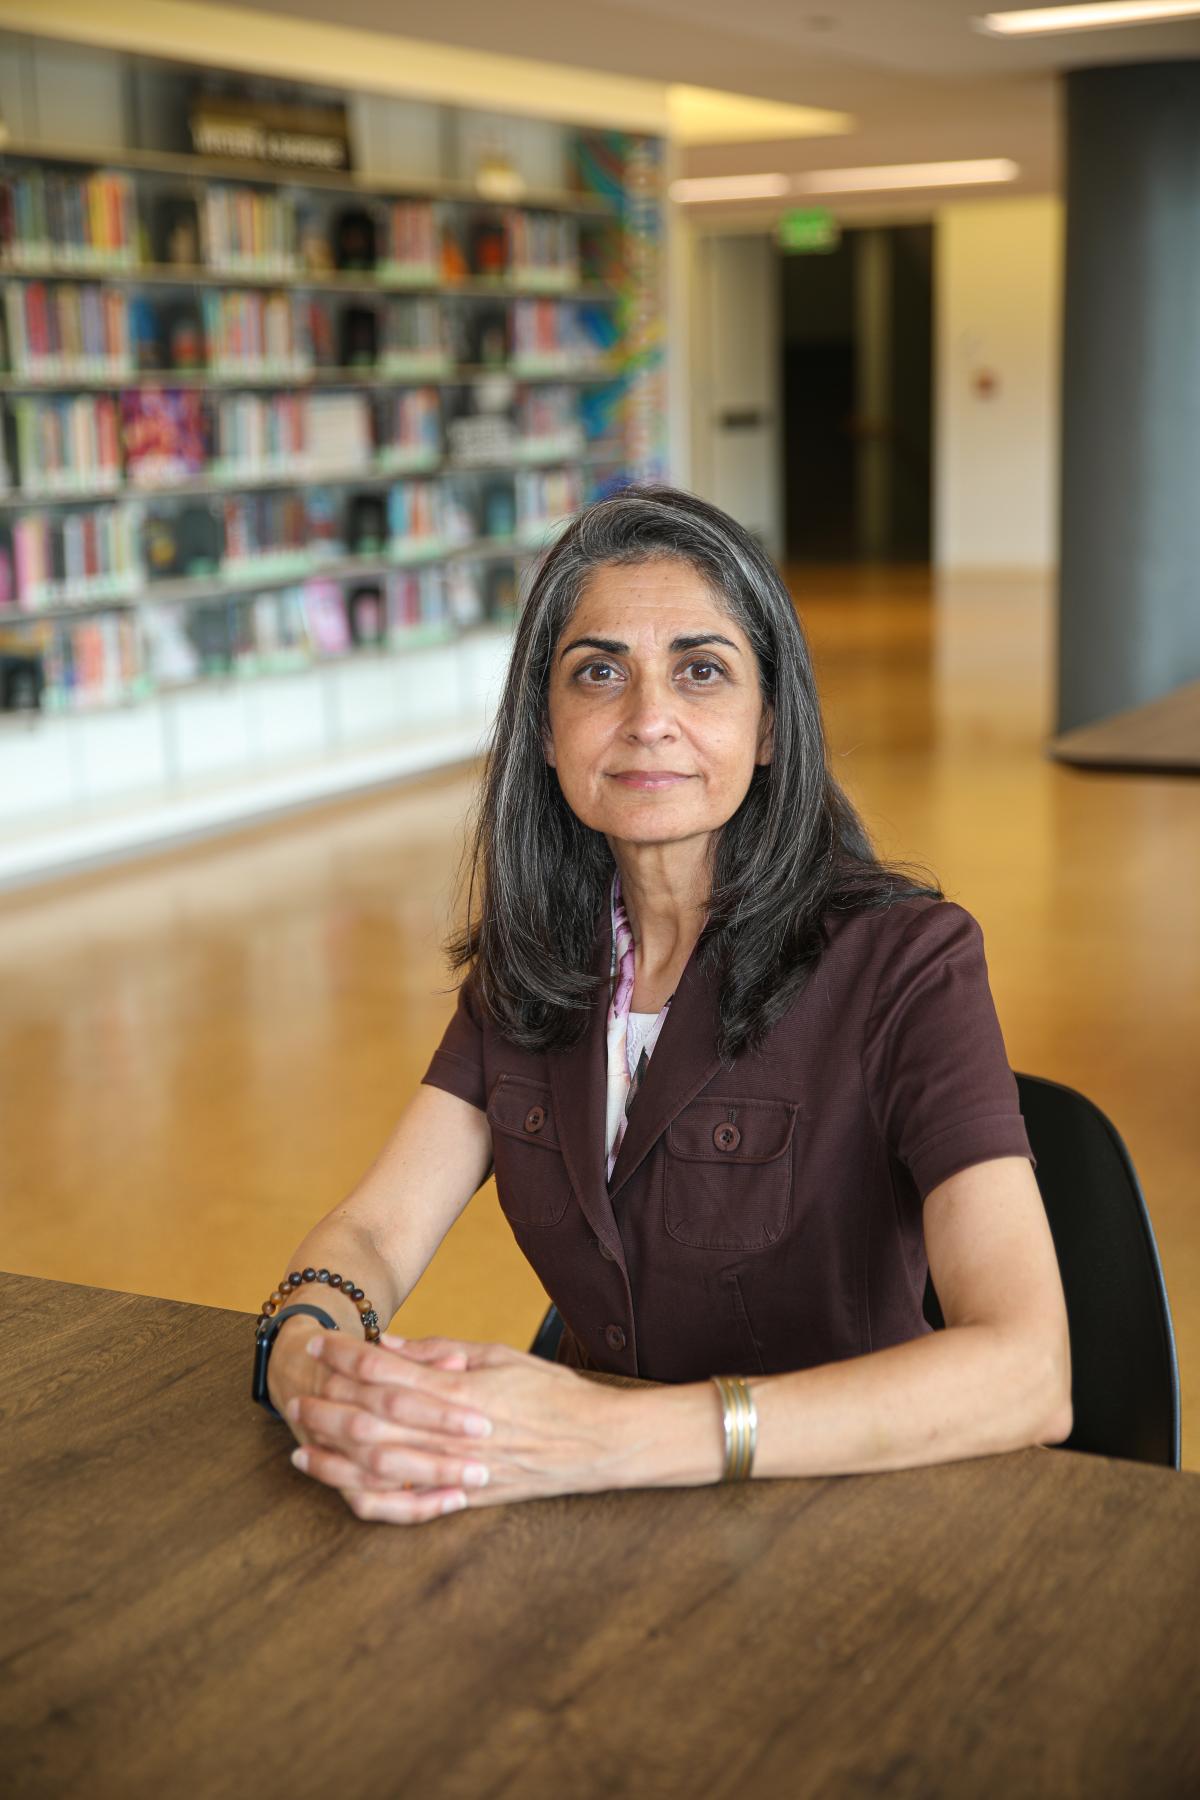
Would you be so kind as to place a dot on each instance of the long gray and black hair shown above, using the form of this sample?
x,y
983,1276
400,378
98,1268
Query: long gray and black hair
x,y
537,879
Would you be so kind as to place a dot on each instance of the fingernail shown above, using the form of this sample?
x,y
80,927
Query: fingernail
x,y
300,1458
313,1346
475,1425
388,1337
454,1503
476,1474
292,1409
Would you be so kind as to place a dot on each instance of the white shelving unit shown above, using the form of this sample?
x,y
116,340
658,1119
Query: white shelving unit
x,y
89,788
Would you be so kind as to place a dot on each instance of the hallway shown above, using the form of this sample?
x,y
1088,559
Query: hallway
x,y
201,1053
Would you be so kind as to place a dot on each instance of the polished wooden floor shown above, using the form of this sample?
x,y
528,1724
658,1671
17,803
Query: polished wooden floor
x,y
199,1054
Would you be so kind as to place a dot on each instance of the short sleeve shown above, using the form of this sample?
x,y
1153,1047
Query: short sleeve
x,y
457,1063
936,1072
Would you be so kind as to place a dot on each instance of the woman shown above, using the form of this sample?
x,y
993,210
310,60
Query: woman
x,y
742,1087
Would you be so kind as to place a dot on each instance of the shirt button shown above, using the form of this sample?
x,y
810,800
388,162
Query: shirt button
x,y
727,1137
614,1337
609,1255
535,1118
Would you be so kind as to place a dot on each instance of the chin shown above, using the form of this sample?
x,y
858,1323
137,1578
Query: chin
x,y
661,830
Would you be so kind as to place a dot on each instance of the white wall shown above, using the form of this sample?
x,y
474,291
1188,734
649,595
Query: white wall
x,y
736,428
997,310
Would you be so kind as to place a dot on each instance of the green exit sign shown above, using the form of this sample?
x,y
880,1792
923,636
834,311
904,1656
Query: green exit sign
x,y
811,229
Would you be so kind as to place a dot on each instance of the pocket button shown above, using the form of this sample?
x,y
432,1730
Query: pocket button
x,y
535,1118
727,1137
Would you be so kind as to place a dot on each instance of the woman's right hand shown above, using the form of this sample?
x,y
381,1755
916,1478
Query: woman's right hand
x,y
435,1471
290,1369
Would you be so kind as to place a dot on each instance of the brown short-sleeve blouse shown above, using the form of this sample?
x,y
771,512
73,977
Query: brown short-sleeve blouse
x,y
765,1216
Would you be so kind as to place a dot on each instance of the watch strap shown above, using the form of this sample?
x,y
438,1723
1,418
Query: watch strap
x,y
264,1341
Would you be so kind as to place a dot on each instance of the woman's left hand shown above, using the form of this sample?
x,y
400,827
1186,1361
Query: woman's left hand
x,y
552,1431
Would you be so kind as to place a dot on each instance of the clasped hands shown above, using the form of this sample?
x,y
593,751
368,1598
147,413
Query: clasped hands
x,y
409,1429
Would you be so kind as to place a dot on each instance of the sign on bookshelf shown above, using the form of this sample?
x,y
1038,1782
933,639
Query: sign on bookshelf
x,y
298,136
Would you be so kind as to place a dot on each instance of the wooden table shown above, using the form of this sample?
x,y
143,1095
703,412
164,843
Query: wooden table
x,y
183,1613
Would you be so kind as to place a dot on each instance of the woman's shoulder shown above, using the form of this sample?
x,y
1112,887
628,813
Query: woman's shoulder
x,y
918,924
893,920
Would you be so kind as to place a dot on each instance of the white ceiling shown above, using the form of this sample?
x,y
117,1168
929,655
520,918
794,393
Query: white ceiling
x,y
923,85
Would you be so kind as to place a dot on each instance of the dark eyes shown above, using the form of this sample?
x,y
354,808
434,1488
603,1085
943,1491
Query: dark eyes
x,y
706,671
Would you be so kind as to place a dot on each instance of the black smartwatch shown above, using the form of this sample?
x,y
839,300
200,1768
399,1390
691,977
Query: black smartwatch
x,y
262,1349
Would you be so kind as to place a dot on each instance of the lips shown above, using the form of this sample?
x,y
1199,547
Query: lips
x,y
650,780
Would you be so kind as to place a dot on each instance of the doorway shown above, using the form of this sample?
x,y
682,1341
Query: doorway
x,y
856,392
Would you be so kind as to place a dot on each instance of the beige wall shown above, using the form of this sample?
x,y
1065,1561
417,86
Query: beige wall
x,y
997,309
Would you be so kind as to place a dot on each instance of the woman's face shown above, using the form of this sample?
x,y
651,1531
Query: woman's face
x,y
656,719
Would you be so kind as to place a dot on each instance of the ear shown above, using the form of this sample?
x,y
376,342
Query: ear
x,y
766,736
548,745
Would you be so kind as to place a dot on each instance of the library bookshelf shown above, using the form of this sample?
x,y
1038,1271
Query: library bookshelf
x,y
279,450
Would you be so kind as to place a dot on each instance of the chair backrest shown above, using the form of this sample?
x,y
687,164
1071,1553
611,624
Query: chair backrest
x,y
1125,1375
549,1335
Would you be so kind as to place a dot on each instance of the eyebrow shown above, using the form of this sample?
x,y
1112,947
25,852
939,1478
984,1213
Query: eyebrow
x,y
692,640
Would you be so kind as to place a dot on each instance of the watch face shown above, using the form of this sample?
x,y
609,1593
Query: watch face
x,y
258,1387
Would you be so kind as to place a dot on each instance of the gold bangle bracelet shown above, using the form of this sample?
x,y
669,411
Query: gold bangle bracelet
x,y
740,1419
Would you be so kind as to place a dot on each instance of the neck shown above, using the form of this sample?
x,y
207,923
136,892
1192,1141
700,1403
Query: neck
x,y
665,888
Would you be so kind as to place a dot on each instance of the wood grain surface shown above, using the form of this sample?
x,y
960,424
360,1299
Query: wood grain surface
x,y
183,1612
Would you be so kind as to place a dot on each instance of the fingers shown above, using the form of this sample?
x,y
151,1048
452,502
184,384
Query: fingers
x,y
447,1352
391,1369
404,1408
442,1353
385,1466
403,1509
374,1450
369,1362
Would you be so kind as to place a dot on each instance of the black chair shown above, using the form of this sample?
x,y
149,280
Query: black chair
x,y
1125,1375
549,1335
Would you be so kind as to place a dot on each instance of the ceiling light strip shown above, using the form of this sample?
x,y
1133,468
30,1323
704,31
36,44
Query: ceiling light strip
x,y
905,175
730,187
888,177
1039,21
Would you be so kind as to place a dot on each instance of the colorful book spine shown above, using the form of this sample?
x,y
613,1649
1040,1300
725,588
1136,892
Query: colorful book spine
x,y
92,662
76,557
250,333
68,221
412,253
247,232
544,497
545,334
413,513
543,249
66,444
63,330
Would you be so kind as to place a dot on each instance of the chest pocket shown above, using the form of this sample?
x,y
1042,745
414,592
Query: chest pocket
x,y
727,1181
531,1177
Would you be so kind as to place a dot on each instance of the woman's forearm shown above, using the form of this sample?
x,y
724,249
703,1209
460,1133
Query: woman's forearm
x,y
969,1390
345,1248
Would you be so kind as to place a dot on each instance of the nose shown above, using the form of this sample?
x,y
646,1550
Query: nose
x,y
650,711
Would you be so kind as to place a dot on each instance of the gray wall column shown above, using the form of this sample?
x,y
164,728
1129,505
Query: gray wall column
x,y
1129,596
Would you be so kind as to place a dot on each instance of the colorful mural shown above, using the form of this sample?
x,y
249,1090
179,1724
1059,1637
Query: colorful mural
x,y
628,252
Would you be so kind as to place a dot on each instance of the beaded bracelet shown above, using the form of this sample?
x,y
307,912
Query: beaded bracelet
x,y
298,1277
740,1417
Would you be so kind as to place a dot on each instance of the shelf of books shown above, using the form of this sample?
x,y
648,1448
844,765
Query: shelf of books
x,y
278,449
